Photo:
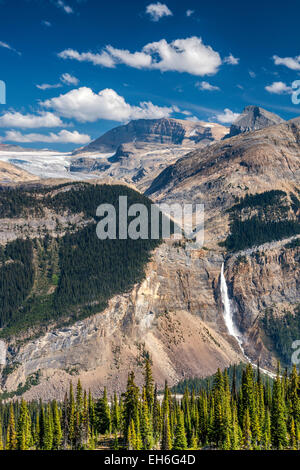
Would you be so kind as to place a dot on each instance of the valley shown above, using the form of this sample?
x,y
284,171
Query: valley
x,y
171,308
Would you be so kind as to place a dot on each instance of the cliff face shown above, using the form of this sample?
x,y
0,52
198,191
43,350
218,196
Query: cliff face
x,y
137,152
221,173
174,314
266,278
253,118
156,131
261,278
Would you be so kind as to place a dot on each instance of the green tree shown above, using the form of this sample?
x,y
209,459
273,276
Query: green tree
x,y
11,436
180,441
57,432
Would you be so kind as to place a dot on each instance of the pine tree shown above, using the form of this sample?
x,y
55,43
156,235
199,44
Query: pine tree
x,y
92,416
11,437
71,417
156,416
48,430
102,412
65,422
180,441
24,437
85,420
235,443
166,440
293,441
267,431
131,436
145,424
36,433
131,405
79,398
247,435
42,425
279,431
57,432
149,385
115,414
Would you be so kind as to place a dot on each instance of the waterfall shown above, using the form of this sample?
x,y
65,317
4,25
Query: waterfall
x,y
2,353
227,312
231,327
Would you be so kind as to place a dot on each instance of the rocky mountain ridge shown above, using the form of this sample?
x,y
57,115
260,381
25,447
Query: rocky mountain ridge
x,y
136,152
249,185
253,118
155,131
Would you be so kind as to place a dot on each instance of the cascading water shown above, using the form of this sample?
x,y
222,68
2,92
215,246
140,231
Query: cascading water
x,y
228,319
227,312
2,353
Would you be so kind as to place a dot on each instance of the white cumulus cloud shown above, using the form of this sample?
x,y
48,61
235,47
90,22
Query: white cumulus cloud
x,y
63,137
47,86
292,63
136,60
30,121
157,11
102,58
279,88
184,55
84,105
188,55
231,60
69,79
205,86
227,117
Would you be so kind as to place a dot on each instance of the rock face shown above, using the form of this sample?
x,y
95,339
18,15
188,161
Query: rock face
x,y
175,315
156,131
220,173
263,276
253,118
137,152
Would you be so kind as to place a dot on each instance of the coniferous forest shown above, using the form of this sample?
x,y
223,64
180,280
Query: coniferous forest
x,y
255,415
73,275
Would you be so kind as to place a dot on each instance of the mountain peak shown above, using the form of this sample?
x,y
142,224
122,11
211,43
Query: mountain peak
x,y
253,118
163,131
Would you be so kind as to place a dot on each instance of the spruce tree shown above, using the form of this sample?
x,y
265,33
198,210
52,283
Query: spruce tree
x,y
149,384
180,441
24,437
57,432
279,431
130,405
11,436
166,439
146,424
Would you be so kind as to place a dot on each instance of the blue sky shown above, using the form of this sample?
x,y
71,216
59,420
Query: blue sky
x,y
76,68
